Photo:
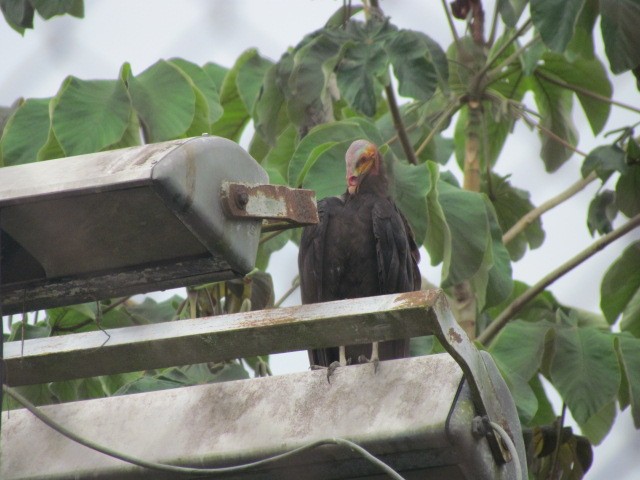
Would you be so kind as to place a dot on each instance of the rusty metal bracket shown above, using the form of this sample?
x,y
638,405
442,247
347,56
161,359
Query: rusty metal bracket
x,y
280,206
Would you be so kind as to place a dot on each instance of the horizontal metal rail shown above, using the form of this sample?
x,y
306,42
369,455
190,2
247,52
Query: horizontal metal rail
x,y
213,339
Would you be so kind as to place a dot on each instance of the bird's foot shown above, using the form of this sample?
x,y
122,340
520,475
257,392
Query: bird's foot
x,y
374,360
332,368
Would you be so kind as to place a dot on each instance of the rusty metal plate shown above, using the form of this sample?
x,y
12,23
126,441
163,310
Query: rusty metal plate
x,y
295,206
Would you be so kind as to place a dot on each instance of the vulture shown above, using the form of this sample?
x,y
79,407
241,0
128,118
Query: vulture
x,y
361,246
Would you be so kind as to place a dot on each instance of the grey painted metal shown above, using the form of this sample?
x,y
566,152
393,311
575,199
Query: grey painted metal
x,y
415,414
212,339
123,221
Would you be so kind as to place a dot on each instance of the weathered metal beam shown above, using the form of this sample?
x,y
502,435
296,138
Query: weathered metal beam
x,y
414,414
220,338
273,202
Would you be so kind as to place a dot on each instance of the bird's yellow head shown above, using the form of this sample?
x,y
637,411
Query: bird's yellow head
x,y
362,158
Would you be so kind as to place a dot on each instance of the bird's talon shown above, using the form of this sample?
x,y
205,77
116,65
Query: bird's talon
x,y
332,368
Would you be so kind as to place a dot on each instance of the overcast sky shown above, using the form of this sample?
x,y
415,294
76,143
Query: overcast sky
x,y
141,32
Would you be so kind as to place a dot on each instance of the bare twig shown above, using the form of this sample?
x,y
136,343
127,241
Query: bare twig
x,y
537,212
511,58
115,304
454,106
508,313
556,450
521,31
399,124
586,92
454,33
551,134
494,25
294,285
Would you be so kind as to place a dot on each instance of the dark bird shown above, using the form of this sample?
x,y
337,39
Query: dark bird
x,y
362,246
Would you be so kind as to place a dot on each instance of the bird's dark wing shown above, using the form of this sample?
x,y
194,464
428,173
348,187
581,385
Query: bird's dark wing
x,y
314,285
395,247
312,253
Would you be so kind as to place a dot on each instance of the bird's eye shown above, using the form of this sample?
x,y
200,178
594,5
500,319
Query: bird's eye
x,y
360,161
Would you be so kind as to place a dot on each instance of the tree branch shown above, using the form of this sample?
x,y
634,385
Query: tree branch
x,y
508,313
584,91
399,124
452,27
548,132
452,109
514,56
521,31
294,285
537,212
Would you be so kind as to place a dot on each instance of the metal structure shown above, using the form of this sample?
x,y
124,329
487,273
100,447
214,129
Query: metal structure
x,y
189,211
417,414
135,220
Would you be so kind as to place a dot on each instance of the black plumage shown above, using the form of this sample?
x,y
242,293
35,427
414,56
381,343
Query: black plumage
x,y
362,246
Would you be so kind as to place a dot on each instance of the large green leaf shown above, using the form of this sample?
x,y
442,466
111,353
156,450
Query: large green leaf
x,y
497,265
250,79
628,191
18,14
51,149
620,287
602,212
25,133
628,349
185,376
581,45
542,307
410,186
151,311
466,218
418,119
620,32
308,73
215,72
604,160
266,248
164,100
6,112
270,113
488,126
205,84
518,351
438,237
80,389
554,104
599,424
50,8
419,64
90,115
511,10
585,74
545,414
279,156
363,65
325,175
26,331
235,116
585,370
511,204
556,20
334,132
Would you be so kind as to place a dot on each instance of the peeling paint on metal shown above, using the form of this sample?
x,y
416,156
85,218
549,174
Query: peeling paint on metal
x,y
454,336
